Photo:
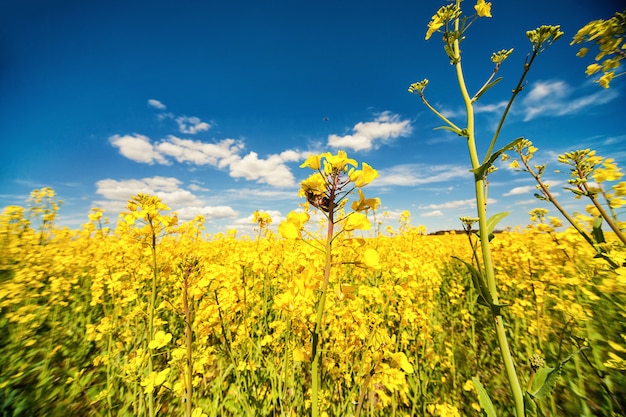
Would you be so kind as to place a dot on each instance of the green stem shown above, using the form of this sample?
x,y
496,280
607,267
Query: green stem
x,y
151,309
188,335
518,88
315,352
547,194
454,127
606,216
481,206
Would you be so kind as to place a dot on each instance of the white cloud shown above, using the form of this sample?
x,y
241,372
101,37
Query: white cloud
x,y
455,204
554,98
416,174
223,154
197,187
116,194
386,126
198,152
156,104
520,190
260,194
191,125
209,212
137,148
470,202
434,213
490,108
272,170
167,188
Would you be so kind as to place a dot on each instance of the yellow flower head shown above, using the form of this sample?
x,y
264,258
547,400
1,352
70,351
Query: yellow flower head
x,y
292,227
483,9
363,176
609,171
433,26
313,162
357,221
337,163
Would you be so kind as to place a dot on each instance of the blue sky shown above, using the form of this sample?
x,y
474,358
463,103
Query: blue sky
x,y
214,105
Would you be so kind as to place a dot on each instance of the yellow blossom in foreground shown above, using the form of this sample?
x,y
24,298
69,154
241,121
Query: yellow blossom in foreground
x,y
363,176
371,258
313,162
483,9
197,412
433,26
605,80
357,221
592,69
337,162
403,362
608,172
292,227
155,379
160,339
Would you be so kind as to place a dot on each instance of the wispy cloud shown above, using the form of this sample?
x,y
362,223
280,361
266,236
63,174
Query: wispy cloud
x,y
368,135
198,152
557,98
224,154
138,148
417,174
520,190
455,204
272,170
209,212
117,192
156,104
191,125
434,213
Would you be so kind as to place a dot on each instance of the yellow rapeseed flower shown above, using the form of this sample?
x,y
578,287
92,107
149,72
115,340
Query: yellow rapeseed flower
x,y
483,9
434,25
357,221
160,339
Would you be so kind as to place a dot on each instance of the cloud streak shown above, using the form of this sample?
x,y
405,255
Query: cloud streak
x,y
116,193
368,135
556,98
415,174
225,154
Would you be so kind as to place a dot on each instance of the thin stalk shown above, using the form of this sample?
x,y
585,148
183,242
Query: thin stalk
x,y
454,127
315,352
481,206
188,335
151,309
547,194
518,88
605,215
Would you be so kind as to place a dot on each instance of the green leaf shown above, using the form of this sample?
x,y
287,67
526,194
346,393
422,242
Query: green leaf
x,y
597,233
544,381
484,296
529,405
450,128
483,398
481,170
493,221
575,191
487,87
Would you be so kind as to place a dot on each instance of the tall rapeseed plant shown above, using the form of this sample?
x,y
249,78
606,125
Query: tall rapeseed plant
x,y
327,189
153,223
452,24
